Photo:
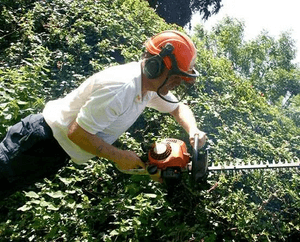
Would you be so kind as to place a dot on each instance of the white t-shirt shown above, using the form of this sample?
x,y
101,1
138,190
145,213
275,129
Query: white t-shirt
x,y
106,104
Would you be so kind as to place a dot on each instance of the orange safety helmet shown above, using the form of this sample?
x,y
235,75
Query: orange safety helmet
x,y
183,54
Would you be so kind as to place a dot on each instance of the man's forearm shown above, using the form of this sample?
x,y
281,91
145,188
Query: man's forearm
x,y
92,143
98,147
185,117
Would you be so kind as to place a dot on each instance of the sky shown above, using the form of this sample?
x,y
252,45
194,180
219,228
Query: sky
x,y
274,16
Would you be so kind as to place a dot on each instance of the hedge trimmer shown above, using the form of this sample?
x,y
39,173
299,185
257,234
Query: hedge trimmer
x,y
169,159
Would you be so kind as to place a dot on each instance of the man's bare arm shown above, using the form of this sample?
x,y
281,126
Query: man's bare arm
x,y
185,117
98,147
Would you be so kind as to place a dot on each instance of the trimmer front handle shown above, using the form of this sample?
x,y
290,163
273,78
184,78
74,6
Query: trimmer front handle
x,y
199,161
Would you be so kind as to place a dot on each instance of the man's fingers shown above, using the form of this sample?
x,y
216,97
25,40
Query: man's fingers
x,y
201,140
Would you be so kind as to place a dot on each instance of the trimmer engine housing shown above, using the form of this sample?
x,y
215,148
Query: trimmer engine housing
x,y
170,156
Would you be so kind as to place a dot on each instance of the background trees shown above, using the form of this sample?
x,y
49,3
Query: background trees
x,y
247,100
180,12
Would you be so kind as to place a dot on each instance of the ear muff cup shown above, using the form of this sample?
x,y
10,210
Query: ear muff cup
x,y
154,66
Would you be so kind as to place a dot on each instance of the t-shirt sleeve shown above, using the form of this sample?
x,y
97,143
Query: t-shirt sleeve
x,y
161,105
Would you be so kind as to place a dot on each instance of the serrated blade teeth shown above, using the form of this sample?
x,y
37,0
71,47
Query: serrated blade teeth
x,y
254,166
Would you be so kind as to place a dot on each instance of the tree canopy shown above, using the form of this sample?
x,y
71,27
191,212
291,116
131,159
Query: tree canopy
x,y
247,100
180,12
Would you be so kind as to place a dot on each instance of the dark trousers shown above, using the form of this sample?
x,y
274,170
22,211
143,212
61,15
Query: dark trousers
x,y
29,153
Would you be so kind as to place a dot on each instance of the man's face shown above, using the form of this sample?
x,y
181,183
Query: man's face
x,y
176,81
172,83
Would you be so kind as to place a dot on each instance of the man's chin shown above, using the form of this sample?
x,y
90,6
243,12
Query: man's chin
x,y
163,93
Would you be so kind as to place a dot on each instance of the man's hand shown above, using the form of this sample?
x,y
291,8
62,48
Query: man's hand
x,y
129,160
202,137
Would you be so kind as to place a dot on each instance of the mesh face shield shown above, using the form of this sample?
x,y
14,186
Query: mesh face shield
x,y
188,78
179,91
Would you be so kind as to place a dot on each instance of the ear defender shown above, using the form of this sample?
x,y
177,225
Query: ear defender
x,y
154,66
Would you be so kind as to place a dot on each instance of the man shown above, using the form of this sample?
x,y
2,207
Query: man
x,y
86,122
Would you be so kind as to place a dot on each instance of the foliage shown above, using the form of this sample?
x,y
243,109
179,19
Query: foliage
x,y
48,47
266,62
180,11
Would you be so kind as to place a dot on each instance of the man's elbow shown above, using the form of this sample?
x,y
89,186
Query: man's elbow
x,y
73,132
70,135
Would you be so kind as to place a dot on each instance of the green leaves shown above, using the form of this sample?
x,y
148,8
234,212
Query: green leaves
x,y
57,194
247,103
31,194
